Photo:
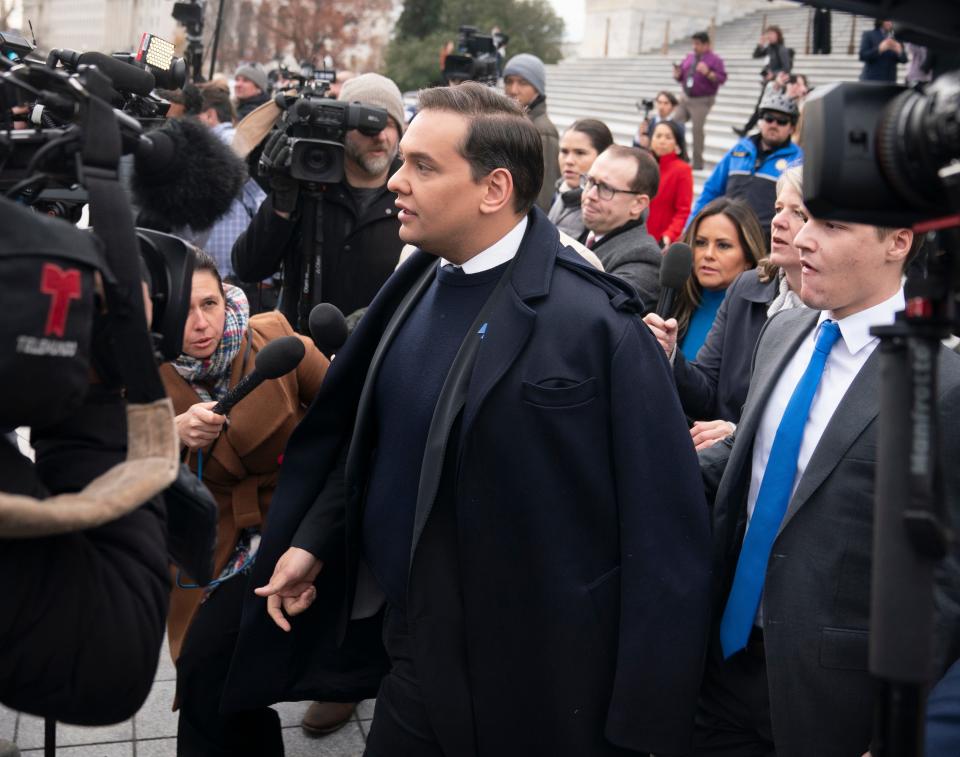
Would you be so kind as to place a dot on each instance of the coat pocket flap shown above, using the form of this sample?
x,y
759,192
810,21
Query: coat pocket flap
x,y
559,396
844,648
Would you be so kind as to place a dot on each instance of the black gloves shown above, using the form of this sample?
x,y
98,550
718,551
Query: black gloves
x,y
275,163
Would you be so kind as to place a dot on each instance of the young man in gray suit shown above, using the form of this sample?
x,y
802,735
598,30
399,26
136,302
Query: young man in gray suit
x,y
793,514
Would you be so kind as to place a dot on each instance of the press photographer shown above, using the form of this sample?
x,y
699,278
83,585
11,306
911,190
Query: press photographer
x,y
329,212
83,558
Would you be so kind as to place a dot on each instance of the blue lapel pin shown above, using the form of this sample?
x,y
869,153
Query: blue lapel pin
x,y
482,331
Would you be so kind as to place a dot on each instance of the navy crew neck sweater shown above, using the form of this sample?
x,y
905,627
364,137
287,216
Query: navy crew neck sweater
x,y
407,388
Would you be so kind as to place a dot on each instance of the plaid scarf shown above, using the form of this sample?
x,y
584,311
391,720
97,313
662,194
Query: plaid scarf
x,y
210,377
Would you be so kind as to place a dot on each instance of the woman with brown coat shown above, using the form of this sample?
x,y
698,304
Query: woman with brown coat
x,y
237,459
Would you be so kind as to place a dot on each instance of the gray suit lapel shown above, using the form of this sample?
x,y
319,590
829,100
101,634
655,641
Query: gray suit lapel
x,y
856,410
775,348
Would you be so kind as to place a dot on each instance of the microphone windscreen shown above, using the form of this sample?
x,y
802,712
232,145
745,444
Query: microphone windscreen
x,y
124,76
571,198
186,175
279,357
328,328
675,266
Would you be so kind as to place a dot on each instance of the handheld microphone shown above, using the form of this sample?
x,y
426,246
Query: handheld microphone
x,y
276,359
328,328
675,269
185,175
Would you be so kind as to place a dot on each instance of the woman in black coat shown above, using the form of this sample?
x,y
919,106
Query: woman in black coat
x,y
713,387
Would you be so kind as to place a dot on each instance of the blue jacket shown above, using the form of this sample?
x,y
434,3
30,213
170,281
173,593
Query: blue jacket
x,y
878,66
741,175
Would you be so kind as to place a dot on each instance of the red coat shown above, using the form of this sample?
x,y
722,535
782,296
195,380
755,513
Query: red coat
x,y
670,208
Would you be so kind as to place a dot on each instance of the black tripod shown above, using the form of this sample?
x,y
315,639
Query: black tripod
x,y
912,531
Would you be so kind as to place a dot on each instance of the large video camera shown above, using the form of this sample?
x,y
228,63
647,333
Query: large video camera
x,y
885,154
889,156
317,126
49,161
475,59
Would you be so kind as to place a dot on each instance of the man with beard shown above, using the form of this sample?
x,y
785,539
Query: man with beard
x,y
749,171
357,245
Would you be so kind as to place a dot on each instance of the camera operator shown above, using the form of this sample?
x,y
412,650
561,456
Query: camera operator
x,y
359,244
250,88
84,607
666,103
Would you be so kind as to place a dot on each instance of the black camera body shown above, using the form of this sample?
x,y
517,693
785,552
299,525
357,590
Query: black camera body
x,y
317,126
475,59
885,154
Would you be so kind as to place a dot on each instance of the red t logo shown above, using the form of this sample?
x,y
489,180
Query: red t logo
x,y
62,286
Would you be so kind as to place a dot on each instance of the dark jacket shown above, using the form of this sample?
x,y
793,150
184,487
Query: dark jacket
x,y
359,253
714,386
633,255
779,58
878,66
246,107
551,151
580,586
816,592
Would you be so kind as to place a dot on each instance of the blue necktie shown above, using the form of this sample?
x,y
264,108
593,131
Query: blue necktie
x,y
772,499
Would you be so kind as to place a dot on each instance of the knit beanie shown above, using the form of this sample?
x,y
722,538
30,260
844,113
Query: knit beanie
x,y
255,74
375,90
530,67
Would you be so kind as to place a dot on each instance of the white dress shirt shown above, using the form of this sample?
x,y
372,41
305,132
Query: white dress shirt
x,y
498,253
847,357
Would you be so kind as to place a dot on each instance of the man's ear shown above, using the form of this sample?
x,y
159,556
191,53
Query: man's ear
x,y
639,204
498,192
899,242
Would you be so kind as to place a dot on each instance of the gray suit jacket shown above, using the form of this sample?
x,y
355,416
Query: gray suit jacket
x,y
816,600
630,253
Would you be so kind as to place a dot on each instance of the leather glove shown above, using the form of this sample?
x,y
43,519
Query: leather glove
x,y
275,163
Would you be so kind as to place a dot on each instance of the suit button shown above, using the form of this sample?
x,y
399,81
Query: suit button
x,y
346,247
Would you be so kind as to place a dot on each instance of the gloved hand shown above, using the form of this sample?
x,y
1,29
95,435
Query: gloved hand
x,y
275,163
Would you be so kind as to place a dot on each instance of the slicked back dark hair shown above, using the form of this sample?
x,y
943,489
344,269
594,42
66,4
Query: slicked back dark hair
x,y
646,180
499,135
597,132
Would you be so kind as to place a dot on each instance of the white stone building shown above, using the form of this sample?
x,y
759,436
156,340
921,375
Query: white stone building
x,y
103,25
623,28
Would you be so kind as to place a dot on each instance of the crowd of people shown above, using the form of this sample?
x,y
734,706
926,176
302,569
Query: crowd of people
x,y
525,510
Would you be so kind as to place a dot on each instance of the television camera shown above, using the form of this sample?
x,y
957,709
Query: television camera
x,y
475,59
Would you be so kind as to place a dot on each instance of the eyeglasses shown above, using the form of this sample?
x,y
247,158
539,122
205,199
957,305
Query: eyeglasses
x,y
779,120
603,191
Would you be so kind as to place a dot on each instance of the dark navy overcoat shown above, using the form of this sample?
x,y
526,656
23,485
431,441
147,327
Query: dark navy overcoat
x,y
582,540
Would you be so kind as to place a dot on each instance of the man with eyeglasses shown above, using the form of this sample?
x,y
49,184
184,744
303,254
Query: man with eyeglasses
x,y
616,192
749,171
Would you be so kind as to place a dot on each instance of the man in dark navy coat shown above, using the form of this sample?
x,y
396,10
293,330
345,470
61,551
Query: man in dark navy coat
x,y
497,474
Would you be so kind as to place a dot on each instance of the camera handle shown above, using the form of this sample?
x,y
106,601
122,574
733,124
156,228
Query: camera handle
x,y
311,249
911,530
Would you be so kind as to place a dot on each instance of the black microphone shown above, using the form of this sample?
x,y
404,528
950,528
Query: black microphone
x,y
124,76
276,359
328,328
184,175
571,198
674,271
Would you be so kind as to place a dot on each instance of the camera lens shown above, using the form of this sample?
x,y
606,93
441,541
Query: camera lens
x,y
316,159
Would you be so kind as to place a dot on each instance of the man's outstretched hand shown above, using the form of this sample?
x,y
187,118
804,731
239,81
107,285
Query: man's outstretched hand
x,y
291,588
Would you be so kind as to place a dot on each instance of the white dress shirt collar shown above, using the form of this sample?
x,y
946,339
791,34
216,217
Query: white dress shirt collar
x,y
498,253
855,329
